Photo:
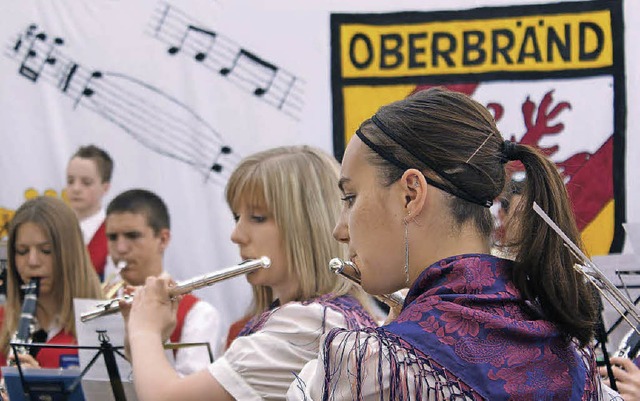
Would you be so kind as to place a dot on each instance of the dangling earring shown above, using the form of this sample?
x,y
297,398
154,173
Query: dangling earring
x,y
406,250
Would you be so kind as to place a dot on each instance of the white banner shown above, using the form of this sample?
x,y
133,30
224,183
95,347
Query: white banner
x,y
179,91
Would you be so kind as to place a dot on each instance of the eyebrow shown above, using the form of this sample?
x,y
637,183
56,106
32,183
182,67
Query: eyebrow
x,y
37,244
125,233
342,181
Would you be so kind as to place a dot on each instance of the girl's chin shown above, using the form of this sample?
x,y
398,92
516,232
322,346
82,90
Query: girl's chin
x,y
44,290
254,278
374,289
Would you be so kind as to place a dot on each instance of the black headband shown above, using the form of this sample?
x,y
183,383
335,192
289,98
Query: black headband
x,y
388,156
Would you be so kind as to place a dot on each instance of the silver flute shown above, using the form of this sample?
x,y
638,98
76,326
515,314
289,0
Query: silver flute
x,y
350,271
183,287
609,292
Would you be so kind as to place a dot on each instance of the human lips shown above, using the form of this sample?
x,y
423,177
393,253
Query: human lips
x,y
245,257
43,280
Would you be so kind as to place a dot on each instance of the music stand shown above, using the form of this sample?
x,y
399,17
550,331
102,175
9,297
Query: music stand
x,y
177,346
623,286
105,349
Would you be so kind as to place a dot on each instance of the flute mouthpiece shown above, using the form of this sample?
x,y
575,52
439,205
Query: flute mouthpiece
x,y
336,265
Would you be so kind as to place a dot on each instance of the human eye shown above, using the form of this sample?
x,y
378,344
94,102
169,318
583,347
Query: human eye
x,y
22,251
236,217
258,218
87,182
133,235
112,237
46,250
69,180
348,199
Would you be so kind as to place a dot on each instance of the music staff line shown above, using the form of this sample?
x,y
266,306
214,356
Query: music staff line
x,y
118,105
193,36
250,72
119,108
220,54
86,77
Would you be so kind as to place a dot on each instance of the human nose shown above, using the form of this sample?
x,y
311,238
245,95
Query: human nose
x,y
74,186
238,236
33,259
121,244
341,230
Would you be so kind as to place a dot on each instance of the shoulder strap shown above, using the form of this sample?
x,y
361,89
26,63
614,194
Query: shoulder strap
x,y
184,307
98,250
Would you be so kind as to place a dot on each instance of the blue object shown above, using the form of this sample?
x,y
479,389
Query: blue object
x,y
69,361
43,384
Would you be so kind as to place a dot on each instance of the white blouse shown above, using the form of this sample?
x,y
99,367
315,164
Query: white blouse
x,y
201,324
89,226
262,365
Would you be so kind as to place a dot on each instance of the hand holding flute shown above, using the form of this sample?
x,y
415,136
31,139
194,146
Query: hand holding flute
x,y
155,304
153,309
184,287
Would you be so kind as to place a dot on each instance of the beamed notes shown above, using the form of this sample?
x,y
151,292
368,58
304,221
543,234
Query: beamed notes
x,y
155,119
220,54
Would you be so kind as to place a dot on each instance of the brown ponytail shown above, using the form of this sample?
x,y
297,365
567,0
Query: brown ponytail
x,y
448,134
544,266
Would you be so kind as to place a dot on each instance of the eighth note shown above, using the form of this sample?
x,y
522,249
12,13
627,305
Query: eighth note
x,y
199,55
259,64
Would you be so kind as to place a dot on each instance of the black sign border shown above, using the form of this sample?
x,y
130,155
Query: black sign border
x,y
617,71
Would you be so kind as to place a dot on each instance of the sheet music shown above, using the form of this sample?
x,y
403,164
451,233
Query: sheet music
x,y
87,336
100,390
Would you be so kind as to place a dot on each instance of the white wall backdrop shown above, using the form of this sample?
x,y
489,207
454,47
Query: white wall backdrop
x,y
164,116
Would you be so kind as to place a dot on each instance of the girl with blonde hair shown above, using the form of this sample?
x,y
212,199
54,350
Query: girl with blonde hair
x,y
285,203
45,241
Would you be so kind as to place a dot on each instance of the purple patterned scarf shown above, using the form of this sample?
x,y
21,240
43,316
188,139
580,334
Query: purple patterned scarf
x,y
354,314
466,314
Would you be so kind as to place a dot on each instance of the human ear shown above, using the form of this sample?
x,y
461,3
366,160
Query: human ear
x,y
414,186
165,238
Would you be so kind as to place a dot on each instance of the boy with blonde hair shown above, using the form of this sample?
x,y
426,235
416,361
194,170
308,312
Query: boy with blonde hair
x,y
88,180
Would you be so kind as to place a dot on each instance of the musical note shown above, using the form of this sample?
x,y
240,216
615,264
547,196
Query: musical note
x,y
217,167
200,55
28,34
155,119
87,91
218,53
32,65
255,63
